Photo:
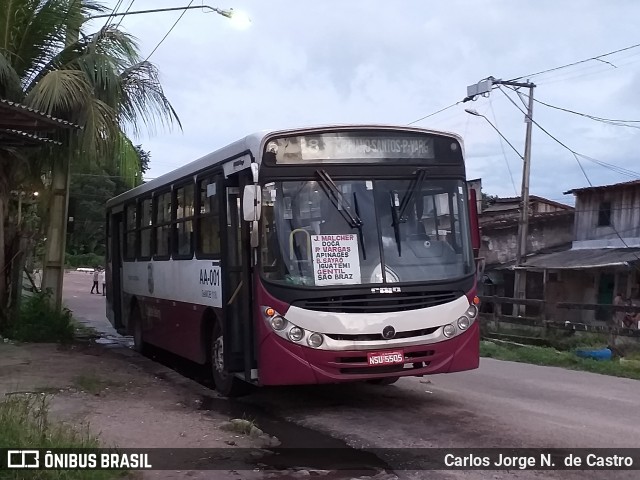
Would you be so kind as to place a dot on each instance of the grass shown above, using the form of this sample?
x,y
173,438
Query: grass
x,y
554,358
93,383
39,322
25,423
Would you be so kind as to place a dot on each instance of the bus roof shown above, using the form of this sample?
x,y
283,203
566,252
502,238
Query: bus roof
x,y
251,143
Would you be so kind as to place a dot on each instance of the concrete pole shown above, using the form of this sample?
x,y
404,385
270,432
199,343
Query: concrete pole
x,y
520,280
54,259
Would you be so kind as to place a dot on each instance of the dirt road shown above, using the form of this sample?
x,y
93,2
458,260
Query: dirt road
x,y
502,404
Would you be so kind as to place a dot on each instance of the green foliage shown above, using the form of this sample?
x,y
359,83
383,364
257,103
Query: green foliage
x,y
25,422
90,260
554,358
39,322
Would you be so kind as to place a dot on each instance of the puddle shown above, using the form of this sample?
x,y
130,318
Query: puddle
x,y
300,447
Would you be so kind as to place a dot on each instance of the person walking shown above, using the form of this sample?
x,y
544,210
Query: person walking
x,y
96,277
102,281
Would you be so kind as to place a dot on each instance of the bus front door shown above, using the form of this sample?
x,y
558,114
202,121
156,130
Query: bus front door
x,y
238,328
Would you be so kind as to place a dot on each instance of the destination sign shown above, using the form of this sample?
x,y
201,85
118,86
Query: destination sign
x,y
349,147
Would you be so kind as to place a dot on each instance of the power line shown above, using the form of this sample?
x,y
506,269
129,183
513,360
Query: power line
x,y
125,12
170,30
583,171
435,113
615,168
609,121
506,160
596,58
115,9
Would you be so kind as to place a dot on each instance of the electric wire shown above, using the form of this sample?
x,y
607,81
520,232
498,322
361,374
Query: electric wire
x,y
504,154
125,13
170,30
579,163
596,58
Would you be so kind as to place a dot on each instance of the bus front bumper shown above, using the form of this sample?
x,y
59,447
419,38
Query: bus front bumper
x,y
286,363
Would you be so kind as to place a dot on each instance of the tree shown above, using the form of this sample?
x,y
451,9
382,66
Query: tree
x,y
89,192
488,200
97,81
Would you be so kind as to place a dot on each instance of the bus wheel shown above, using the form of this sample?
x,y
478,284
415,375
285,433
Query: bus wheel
x,y
136,330
384,381
226,384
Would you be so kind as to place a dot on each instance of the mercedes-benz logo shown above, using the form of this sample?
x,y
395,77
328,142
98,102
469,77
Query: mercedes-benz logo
x,y
388,332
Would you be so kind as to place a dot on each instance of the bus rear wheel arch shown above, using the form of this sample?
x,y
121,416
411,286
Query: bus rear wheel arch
x,y
225,383
135,328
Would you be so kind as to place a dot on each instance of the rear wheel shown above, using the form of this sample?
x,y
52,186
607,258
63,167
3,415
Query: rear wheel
x,y
384,381
136,330
226,383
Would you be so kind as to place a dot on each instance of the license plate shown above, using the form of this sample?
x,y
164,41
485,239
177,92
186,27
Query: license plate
x,y
386,358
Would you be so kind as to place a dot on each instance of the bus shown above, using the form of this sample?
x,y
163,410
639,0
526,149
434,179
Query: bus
x,y
303,256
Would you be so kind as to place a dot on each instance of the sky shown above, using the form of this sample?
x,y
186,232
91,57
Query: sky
x,y
304,63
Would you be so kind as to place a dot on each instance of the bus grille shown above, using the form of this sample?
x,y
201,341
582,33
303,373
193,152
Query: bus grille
x,y
378,303
372,337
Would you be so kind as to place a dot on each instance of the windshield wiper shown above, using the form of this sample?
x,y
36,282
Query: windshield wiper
x,y
395,219
337,198
414,186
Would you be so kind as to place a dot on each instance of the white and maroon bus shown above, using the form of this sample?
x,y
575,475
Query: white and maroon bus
x,y
316,255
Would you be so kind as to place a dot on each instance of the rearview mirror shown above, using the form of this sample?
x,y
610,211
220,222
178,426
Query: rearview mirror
x,y
252,203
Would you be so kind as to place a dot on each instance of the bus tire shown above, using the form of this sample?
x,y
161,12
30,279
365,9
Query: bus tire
x,y
226,384
384,381
135,320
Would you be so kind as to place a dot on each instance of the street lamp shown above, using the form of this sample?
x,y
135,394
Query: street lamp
x,y
475,113
239,19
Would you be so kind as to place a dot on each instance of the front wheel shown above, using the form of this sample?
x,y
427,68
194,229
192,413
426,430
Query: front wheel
x,y
226,384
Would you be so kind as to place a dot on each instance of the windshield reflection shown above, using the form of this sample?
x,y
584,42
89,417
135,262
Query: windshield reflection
x,y
309,236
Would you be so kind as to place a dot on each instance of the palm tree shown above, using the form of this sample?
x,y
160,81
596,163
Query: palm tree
x,y
97,81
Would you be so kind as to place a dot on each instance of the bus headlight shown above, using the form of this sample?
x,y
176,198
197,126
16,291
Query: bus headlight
x,y
463,323
278,323
449,330
296,334
472,311
315,340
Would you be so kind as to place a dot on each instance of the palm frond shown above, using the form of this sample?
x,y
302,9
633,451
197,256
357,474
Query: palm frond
x,y
9,80
61,93
143,99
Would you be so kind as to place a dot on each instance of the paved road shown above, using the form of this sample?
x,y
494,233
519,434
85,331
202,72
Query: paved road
x,y
502,404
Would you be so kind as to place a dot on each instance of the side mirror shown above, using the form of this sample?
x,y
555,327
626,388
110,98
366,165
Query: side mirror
x,y
252,203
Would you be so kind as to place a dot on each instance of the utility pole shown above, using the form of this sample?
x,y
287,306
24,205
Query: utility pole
x,y
484,88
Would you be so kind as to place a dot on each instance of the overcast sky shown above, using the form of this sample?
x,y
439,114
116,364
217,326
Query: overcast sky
x,y
339,61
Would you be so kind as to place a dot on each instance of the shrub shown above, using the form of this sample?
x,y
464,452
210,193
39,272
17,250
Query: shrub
x,y
39,322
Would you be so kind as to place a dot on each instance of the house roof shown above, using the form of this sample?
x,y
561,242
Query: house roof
x,y
532,198
583,259
536,218
632,183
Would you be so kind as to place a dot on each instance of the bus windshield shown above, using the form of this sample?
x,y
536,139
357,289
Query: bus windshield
x,y
326,233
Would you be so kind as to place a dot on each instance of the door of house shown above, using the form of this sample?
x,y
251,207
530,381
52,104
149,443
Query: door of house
x,y
605,295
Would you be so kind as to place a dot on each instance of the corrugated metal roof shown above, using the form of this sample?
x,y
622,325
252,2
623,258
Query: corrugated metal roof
x,y
584,259
631,183
36,113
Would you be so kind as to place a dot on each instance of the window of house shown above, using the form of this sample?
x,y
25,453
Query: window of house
x,y
131,235
162,226
185,210
604,214
208,217
146,215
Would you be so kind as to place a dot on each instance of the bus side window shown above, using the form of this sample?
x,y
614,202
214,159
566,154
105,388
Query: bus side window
x,y
184,202
131,225
208,217
162,225
145,229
